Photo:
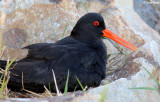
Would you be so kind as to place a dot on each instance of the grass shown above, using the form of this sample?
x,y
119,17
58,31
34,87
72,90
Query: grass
x,y
47,92
64,30
125,53
55,36
5,75
119,49
148,88
54,77
86,9
152,76
103,95
66,85
81,85
49,86
144,88
58,93
0,43
108,56
75,88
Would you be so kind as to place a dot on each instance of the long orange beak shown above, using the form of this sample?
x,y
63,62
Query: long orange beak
x,y
107,33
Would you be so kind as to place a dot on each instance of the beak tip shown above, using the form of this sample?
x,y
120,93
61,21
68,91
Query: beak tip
x,y
136,49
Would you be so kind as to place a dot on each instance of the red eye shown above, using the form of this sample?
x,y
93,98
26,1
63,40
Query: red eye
x,y
96,23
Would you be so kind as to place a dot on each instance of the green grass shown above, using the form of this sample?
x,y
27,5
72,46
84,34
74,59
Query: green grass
x,y
81,85
4,80
120,50
159,9
86,9
49,86
103,95
66,85
55,36
64,30
152,76
144,88
148,88
0,44
75,88
125,53
108,56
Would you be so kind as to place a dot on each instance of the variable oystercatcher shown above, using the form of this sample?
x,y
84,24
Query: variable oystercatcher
x,y
83,54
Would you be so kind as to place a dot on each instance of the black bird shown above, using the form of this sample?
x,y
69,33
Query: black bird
x,y
83,54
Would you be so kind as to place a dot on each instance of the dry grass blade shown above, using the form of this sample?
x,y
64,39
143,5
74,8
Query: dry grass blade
x,y
14,66
22,81
48,92
10,63
58,94
3,18
38,95
2,49
5,75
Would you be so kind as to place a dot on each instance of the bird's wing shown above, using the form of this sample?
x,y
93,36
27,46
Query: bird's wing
x,y
52,51
77,58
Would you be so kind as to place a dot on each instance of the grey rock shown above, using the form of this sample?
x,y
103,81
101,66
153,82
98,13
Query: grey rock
x,y
146,11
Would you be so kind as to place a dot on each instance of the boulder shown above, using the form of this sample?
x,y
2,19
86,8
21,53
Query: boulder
x,y
149,11
34,21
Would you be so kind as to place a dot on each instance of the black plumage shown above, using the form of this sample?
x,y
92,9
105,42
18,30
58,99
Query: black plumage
x,y
83,53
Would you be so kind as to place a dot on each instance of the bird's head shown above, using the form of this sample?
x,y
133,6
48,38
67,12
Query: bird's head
x,y
91,27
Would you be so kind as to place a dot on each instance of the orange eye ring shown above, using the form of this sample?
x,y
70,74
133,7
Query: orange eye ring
x,y
96,23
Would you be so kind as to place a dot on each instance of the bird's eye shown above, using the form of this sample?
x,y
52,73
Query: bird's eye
x,y
96,23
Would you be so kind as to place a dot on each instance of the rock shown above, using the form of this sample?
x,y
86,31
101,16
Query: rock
x,y
15,37
148,11
122,20
118,91
90,6
131,73
42,21
67,98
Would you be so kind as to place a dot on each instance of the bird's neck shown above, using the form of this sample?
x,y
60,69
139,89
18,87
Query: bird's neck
x,y
87,37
